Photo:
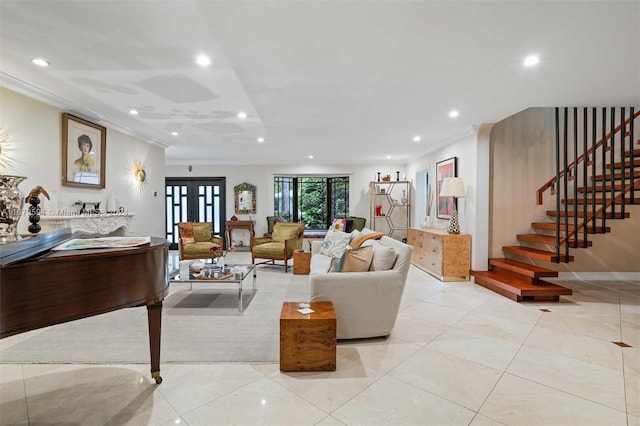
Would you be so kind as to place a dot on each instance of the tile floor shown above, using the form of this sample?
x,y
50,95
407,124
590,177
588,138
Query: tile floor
x,y
459,355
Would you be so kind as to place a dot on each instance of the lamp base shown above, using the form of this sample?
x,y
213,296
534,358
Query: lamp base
x,y
454,225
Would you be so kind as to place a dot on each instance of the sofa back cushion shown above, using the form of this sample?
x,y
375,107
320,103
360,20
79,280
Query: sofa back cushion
x,y
384,257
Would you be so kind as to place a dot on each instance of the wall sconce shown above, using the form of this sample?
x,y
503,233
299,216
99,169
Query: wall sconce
x,y
453,187
138,174
5,149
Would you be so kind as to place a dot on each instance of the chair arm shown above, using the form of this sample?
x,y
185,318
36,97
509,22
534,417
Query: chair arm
x,y
259,240
292,245
218,241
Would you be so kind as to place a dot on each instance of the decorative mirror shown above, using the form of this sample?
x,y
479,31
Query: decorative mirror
x,y
245,198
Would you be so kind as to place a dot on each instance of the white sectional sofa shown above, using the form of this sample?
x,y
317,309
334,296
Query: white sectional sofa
x,y
366,303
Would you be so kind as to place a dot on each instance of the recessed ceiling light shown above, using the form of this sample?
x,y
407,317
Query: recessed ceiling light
x,y
242,115
416,138
311,157
133,111
531,60
41,62
453,113
174,133
260,140
203,60
388,157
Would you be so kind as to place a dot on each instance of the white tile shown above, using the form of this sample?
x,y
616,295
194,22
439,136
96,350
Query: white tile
x,y
493,326
380,355
576,346
433,312
416,330
464,382
516,401
13,400
261,402
328,390
631,358
94,395
393,402
489,351
589,381
204,383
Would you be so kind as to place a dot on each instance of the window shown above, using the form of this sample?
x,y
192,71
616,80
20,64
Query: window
x,y
315,201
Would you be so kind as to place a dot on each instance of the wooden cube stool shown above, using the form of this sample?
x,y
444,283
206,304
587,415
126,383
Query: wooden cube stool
x,y
308,341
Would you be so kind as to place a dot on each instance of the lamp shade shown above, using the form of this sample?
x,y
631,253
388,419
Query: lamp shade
x,y
452,187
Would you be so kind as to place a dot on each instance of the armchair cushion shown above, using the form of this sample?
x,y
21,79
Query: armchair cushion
x,y
201,231
282,233
269,249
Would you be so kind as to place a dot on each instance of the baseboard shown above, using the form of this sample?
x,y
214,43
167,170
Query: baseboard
x,y
598,276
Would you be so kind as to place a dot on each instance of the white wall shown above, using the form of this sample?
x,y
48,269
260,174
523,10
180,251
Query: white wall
x,y
262,178
34,130
472,165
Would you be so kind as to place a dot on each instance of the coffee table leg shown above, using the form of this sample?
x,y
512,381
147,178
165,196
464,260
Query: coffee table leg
x,y
240,307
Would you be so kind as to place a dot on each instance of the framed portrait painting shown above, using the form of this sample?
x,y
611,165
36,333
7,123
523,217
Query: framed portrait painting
x,y
83,152
444,169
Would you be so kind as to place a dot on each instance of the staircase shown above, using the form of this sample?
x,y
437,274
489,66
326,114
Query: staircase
x,y
590,192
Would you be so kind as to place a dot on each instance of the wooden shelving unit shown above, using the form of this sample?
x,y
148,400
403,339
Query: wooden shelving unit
x,y
390,207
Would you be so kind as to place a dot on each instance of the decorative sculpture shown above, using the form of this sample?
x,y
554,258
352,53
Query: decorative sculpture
x,y
34,208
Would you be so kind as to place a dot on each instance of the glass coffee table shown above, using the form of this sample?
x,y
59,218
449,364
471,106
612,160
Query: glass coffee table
x,y
212,273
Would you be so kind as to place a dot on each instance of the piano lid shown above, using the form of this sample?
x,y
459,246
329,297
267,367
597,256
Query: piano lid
x,y
28,247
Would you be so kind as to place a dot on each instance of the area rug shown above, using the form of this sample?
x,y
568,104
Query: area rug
x,y
200,325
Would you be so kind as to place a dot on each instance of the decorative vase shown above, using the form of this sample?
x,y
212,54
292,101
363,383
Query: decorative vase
x,y
404,200
11,202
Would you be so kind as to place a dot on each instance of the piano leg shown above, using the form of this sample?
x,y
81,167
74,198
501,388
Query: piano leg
x,y
154,316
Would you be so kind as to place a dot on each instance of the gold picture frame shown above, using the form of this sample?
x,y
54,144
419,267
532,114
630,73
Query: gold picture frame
x,y
84,147
245,198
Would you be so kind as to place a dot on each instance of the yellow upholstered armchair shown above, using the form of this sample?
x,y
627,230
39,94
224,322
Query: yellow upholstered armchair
x,y
285,239
198,242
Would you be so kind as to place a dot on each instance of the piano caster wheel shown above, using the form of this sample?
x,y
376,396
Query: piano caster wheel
x,y
158,380
156,375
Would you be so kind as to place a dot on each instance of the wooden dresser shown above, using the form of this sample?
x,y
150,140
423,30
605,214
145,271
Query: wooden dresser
x,y
443,255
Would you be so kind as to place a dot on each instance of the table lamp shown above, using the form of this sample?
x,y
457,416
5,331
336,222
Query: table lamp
x,y
453,187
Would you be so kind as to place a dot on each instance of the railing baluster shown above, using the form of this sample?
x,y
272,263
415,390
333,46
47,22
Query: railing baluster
x,y
593,169
604,168
585,118
632,176
623,138
612,158
565,182
575,178
558,181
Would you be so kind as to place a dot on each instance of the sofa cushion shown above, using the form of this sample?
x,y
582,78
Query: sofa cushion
x,y
384,257
355,260
334,243
357,242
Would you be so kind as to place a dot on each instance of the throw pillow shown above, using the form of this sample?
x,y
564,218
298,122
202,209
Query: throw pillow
x,y
186,232
357,242
355,260
383,257
334,243
339,225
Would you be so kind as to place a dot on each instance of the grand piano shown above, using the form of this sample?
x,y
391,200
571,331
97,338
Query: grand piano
x,y
40,287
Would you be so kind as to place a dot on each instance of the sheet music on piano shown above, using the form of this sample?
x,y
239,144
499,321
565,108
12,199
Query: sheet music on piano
x,y
102,242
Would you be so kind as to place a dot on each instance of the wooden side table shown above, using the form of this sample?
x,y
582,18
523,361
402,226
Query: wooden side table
x,y
301,262
308,341
239,224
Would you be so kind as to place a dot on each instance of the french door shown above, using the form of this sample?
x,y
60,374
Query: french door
x,y
194,200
